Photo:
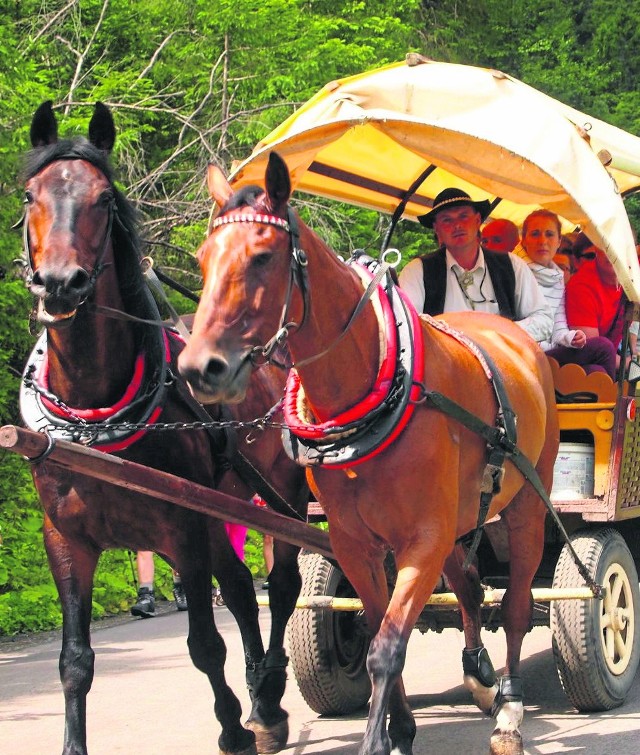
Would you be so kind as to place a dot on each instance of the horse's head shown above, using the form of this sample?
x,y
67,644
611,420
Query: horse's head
x,y
70,202
246,263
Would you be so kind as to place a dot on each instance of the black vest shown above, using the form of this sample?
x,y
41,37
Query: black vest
x,y
499,267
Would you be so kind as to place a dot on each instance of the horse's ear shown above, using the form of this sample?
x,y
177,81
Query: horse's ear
x,y
219,188
278,183
44,127
102,131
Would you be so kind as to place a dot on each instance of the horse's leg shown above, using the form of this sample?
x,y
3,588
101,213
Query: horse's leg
x,y
266,674
479,674
391,625
419,568
268,719
525,523
207,649
73,566
366,573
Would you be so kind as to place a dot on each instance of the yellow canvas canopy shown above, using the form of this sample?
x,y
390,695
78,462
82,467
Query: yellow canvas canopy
x,y
366,139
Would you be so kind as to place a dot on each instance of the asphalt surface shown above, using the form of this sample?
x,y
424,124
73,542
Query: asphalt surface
x,y
147,698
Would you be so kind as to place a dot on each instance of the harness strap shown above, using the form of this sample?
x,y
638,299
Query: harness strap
x,y
494,437
298,275
154,283
364,299
494,469
299,265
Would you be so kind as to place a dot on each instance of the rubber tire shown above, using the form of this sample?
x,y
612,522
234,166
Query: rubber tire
x,y
328,649
592,678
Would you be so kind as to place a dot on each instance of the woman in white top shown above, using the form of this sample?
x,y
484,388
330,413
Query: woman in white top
x,y
541,234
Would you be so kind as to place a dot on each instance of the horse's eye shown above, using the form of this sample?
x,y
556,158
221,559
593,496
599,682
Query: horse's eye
x,y
106,198
28,197
261,260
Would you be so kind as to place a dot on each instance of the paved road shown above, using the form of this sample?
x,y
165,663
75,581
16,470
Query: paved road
x,y
148,699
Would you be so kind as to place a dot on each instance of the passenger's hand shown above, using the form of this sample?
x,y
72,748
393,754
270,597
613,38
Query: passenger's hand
x,y
579,340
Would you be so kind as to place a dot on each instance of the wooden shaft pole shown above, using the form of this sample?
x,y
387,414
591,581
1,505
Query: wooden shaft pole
x,y
167,487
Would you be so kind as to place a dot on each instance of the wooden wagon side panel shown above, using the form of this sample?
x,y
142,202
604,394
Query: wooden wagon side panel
x,y
628,493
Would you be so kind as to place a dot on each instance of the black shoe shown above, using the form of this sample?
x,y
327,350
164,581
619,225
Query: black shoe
x,y
180,596
146,605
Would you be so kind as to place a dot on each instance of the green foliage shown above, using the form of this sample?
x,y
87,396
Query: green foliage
x,y
253,557
24,572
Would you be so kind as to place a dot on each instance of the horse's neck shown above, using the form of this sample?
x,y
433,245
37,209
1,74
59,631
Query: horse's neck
x,y
341,378
91,363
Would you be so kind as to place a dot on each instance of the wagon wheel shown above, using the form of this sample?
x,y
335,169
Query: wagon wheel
x,y
328,649
595,642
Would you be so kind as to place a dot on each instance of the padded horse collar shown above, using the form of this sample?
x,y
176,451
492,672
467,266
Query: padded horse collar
x,y
142,402
363,431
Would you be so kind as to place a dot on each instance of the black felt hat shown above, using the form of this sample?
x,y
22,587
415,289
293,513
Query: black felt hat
x,y
453,198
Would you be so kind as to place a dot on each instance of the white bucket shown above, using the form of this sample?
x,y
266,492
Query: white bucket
x,y
573,472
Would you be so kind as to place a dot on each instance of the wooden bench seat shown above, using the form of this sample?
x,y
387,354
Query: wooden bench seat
x,y
571,378
596,418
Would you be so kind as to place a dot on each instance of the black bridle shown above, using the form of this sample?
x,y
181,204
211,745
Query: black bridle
x,y
99,266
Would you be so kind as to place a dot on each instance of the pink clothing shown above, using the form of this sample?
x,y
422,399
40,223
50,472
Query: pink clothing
x,y
237,534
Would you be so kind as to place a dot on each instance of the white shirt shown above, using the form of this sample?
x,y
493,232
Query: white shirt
x,y
533,314
551,281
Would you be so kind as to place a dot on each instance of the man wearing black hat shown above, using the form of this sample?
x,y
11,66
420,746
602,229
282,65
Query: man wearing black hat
x,y
463,276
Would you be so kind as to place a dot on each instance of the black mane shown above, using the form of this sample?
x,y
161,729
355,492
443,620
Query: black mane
x,y
247,196
67,149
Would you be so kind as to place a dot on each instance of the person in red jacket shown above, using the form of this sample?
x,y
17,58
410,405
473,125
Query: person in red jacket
x,y
595,305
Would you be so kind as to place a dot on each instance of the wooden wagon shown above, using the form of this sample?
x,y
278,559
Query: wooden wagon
x,y
390,140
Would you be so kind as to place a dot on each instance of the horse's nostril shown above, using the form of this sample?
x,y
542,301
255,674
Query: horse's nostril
x,y
62,282
78,280
216,367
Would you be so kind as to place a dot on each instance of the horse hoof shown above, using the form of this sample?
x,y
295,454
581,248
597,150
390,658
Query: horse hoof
x,y
252,750
270,739
506,743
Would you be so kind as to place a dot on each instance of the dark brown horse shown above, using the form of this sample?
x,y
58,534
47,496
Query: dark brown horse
x,y
267,273
88,375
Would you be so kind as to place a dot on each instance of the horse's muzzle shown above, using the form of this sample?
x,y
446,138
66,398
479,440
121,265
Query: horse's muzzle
x,y
214,379
60,293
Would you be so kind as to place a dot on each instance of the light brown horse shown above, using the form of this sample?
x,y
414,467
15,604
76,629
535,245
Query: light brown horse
x,y
82,253
421,492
